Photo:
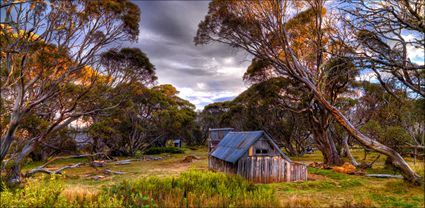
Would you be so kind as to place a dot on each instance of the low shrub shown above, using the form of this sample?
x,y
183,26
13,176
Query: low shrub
x,y
35,193
159,150
195,189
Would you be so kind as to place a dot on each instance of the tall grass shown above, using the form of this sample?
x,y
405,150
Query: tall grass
x,y
193,188
49,192
196,188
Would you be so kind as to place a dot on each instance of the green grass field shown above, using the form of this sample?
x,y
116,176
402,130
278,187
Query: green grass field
x,y
325,189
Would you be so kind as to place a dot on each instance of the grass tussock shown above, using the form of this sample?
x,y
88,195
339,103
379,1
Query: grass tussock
x,y
79,195
197,189
297,201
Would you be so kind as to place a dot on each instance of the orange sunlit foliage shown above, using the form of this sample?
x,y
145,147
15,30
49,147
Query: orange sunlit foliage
x,y
302,31
44,60
8,30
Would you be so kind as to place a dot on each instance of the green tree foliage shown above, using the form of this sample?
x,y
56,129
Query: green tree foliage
x,y
388,120
128,65
263,107
393,136
149,116
270,105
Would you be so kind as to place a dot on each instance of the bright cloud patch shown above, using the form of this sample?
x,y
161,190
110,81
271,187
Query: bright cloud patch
x,y
416,54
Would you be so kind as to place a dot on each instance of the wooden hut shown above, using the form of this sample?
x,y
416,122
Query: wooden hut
x,y
177,143
255,156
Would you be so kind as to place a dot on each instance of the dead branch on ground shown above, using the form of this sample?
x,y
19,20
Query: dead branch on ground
x,y
50,172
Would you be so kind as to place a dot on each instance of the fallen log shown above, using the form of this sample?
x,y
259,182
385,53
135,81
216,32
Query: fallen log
x,y
43,170
97,163
123,162
71,156
107,171
384,176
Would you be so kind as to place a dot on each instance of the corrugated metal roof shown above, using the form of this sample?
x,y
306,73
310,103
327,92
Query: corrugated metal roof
x,y
218,134
235,144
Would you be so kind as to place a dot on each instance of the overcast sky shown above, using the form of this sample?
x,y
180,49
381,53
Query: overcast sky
x,y
202,74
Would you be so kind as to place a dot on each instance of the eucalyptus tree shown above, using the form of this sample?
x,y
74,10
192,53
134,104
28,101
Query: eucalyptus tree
x,y
265,106
259,27
174,116
389,40
50,60
336,75
215,115
149,116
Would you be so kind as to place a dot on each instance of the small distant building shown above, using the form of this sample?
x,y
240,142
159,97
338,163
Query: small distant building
x,y
255,156
81,138
177,143
215,136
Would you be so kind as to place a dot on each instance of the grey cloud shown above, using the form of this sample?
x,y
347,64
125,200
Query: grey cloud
x,y
167,32
195,72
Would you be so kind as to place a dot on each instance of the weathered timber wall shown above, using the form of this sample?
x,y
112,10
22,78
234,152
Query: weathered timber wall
x,y
221,165
298,172
262,169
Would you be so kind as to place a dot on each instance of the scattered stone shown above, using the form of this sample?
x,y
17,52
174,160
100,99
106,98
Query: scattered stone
x,y
97,177
347,168
166,156
148,158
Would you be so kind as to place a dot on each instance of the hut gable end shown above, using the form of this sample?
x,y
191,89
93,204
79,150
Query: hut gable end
x,y
263,148
239,144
